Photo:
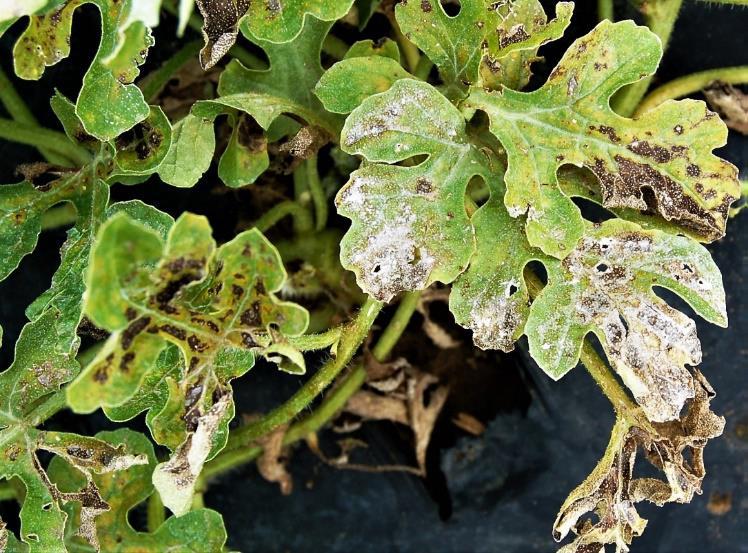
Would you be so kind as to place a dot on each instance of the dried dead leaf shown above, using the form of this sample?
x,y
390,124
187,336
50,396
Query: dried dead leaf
x,y
306,142
719,503
731,103
424,410
373,406
611,492
436,332
402,394
469,423
271,463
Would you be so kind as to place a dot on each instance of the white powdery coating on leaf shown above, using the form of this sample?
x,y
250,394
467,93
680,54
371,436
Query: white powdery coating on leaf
x,y
392,261
494,319
175,479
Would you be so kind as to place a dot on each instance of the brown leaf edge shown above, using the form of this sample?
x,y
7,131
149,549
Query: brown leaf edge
x,y
610,491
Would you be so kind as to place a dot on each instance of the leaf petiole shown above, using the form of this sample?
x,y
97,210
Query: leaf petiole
x,y
660,17
41,138
690,84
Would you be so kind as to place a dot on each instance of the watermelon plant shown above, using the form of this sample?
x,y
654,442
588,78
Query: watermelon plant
x,y
454,170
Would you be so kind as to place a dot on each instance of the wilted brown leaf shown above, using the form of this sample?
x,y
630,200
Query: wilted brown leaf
x,y
271,463
731,103
611,492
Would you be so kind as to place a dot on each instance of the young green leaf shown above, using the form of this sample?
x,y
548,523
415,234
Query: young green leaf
x,y
217,305
285,88
605,286
506,34
662,161
109,103
198,530
366,70
409,226
30,392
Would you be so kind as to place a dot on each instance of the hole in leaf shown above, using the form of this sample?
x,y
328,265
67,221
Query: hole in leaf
x,y
538,269
476,194
511,290
650,199
451,7
601,267
593,212
412,161
376,269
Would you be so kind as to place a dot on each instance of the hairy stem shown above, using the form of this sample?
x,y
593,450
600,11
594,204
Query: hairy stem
x,y
689,84
319,199
20,112
726,2
335,400
59,216
155,81
605,10
350,340
311,342
41,138
302,219
394,330
155,515
660,17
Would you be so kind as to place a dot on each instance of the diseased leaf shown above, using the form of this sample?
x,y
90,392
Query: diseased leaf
x,y
198,530
487,43
605,286
28,389
731,103
109,103
220,27
281,21
409,225
491,296
611,492
365,71
216,305
285,88
662,161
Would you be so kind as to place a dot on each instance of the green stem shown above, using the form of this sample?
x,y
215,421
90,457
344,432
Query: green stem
x,y
155,515
59,216
7,492
333,402
394,330
40,137
323,340
301,217
20,112
660,17
319,199
47,409
409,51
423,68
334,47
690,84
350,340
155,81
605,10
